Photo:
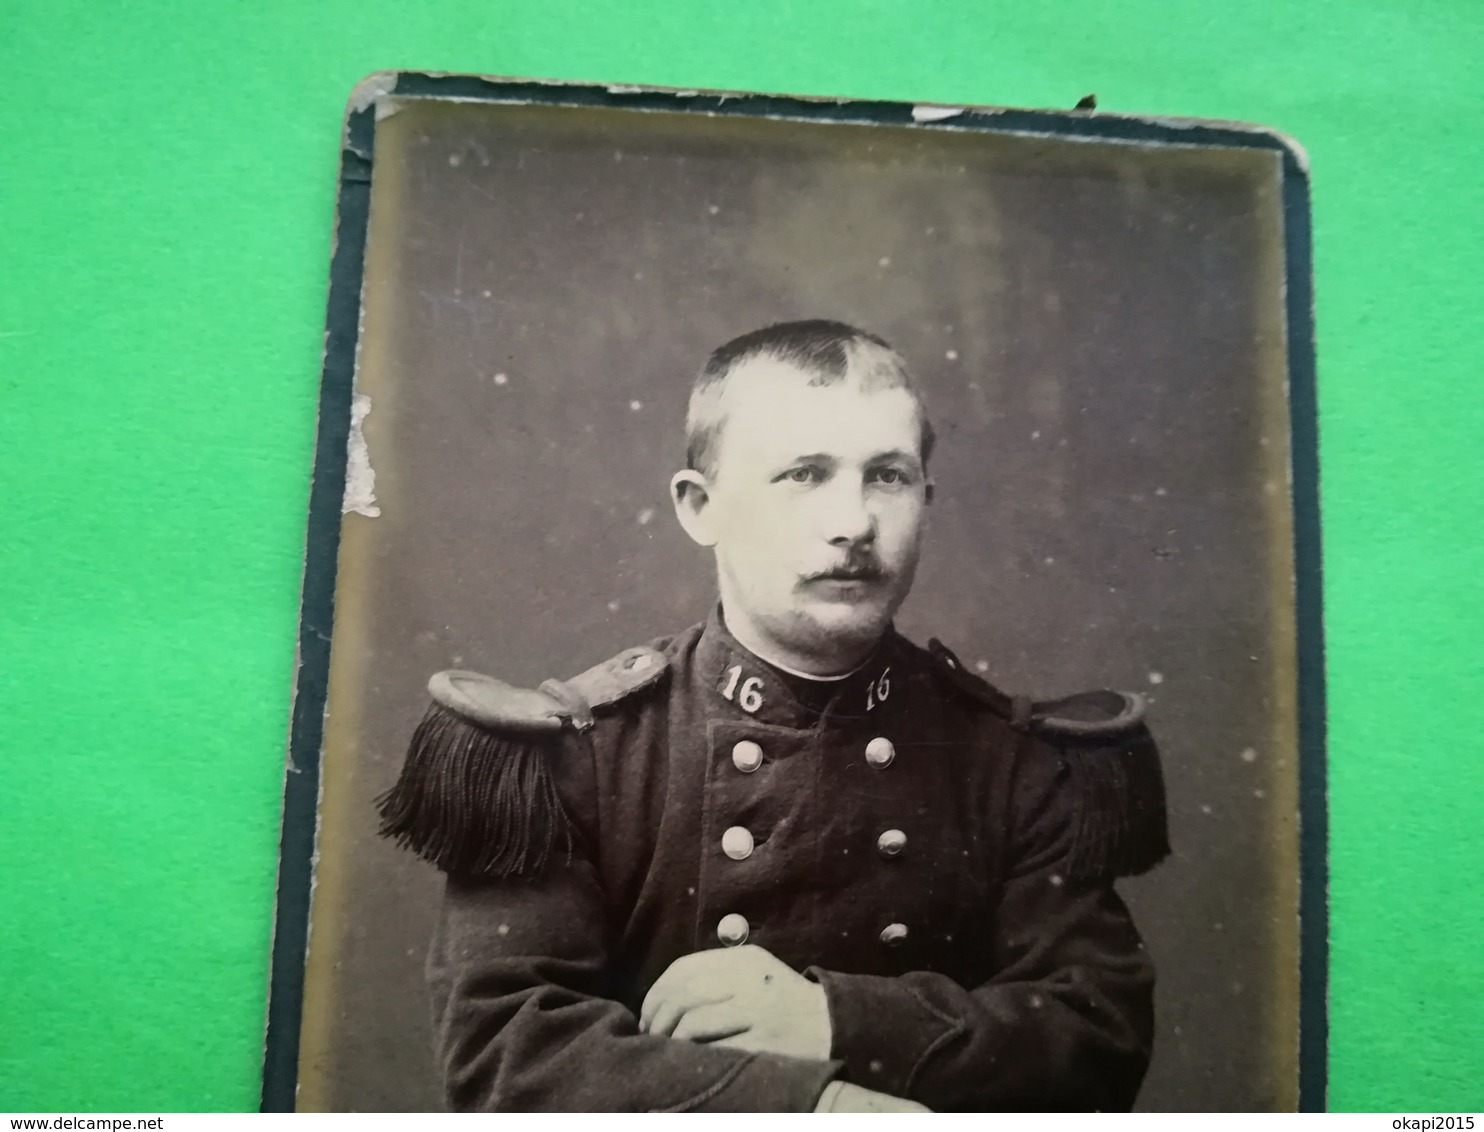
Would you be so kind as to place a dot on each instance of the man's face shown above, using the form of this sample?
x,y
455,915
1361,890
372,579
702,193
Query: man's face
x,y
817,506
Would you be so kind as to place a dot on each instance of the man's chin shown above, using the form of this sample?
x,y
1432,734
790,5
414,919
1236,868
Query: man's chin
x,y
857,621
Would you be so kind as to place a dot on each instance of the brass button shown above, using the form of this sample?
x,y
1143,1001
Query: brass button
x,y
747,756
891,935
736,843
891,843
880,752
733,929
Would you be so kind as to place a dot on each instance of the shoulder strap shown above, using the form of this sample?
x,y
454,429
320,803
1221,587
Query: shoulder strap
x,y
1013,709
1113,775
1089,715
477,795
554,706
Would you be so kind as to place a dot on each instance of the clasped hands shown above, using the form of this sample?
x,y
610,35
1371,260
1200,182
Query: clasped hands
x,y
742,997
747,998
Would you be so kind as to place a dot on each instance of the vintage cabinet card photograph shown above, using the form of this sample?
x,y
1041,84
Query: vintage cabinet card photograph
x,y
809,606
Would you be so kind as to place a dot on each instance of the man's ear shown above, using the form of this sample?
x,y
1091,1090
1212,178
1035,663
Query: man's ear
x,y
691,496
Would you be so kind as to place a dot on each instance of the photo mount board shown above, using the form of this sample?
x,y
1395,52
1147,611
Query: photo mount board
x,y
328,488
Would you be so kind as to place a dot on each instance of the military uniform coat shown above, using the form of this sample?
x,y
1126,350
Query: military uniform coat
x,y
905,845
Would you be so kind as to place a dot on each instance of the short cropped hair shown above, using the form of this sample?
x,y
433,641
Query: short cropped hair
x,y
820,347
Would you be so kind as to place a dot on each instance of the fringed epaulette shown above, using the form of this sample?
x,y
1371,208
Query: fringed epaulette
x,y
1112,764
477,795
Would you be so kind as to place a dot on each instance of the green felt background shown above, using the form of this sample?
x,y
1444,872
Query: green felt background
x,y
167,180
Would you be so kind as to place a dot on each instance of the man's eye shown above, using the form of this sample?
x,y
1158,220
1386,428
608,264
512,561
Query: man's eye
x,y
801,475
890,476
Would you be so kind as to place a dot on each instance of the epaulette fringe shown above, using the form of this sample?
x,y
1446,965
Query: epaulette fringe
x,y
1120,828
477,803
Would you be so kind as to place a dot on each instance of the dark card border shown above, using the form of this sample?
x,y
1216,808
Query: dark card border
x,y
302,777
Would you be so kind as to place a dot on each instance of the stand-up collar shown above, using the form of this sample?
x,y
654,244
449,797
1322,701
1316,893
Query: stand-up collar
x,y
748,687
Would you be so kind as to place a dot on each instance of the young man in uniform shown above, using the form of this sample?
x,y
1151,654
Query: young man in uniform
x,y
787,860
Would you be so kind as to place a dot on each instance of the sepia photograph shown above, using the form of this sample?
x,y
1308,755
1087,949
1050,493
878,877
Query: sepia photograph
x,y
809,607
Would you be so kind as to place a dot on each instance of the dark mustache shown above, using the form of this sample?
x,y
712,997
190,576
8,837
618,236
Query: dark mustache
x,y
863,570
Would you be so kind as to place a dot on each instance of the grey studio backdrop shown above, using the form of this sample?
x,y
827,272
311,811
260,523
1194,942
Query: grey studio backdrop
x,y
1098,329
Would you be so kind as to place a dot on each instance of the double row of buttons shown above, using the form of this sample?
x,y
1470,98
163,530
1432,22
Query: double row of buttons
x,y
747,756
738,843
733,930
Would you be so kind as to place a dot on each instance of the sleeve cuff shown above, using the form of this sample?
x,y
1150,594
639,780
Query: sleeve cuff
x,y
882,1029
766,1083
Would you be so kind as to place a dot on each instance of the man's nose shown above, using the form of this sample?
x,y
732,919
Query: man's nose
x,y
847,518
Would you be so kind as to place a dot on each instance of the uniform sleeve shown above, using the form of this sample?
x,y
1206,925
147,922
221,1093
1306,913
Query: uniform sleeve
x,y
1067,1021
519,981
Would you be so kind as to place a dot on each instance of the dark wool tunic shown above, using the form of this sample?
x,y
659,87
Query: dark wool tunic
x,y
906,847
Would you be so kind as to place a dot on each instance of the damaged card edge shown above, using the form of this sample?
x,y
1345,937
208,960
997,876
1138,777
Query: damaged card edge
x,y
385,91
